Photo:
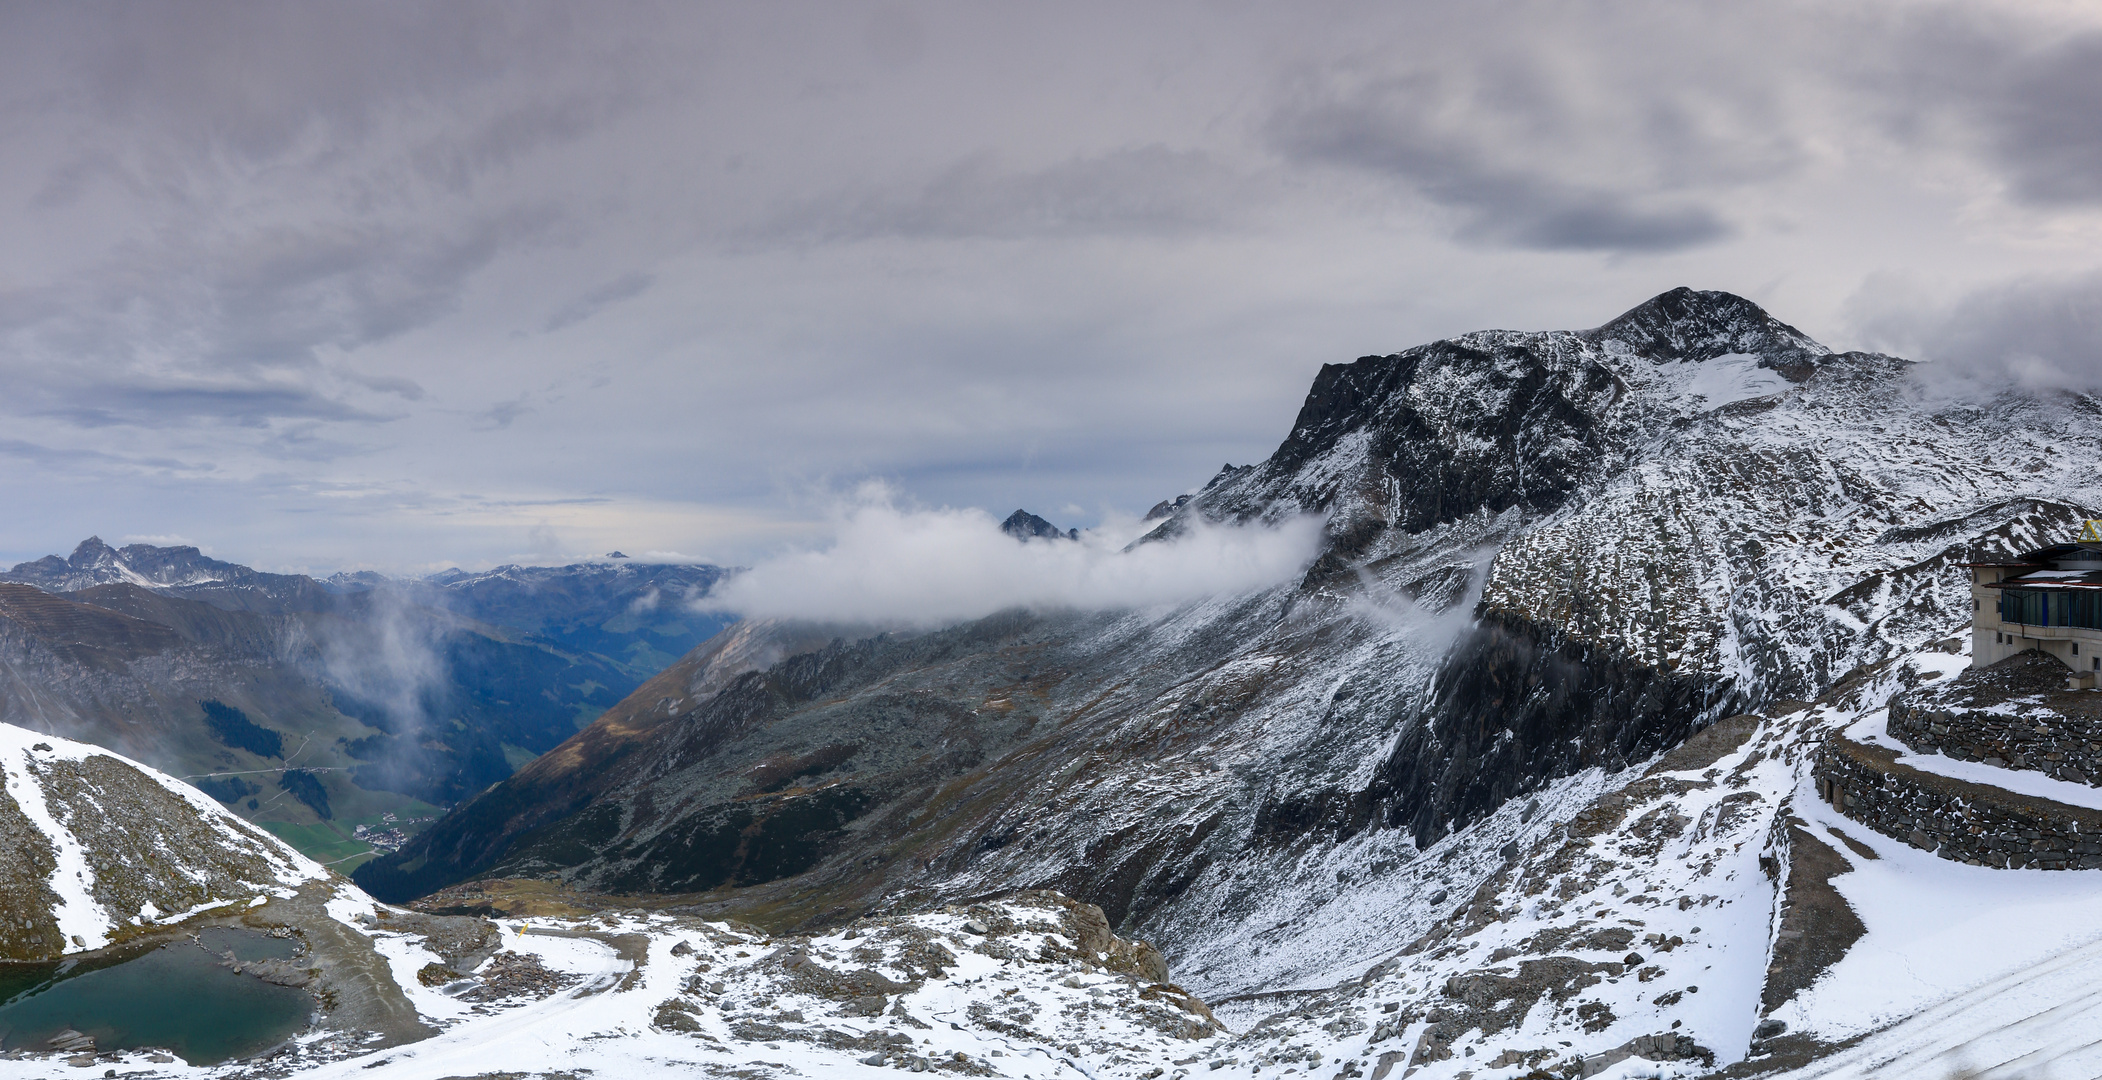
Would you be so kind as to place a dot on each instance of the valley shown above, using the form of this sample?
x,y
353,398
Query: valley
x,y
323,709
1623,724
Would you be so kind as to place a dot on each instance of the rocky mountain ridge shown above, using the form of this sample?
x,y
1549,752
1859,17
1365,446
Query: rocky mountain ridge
x,y
1550,556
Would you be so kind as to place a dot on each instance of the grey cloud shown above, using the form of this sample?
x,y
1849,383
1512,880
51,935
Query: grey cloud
x,y
2015,92
62,460
502,413
1417,128
158,406
625,287
406,389
2031,333
253,79
1151,189
298,180
239,321
894,37
2044,127
280,293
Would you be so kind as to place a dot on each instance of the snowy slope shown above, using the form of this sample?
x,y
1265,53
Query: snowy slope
x,y
101,848
1029,986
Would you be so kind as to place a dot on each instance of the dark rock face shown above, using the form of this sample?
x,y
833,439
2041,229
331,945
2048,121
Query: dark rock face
x,y
1023,525
1520,704
1427,437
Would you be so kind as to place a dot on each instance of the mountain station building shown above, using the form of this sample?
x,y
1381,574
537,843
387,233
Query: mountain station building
x,y
2049,599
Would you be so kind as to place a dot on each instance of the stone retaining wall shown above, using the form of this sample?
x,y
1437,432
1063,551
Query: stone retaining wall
x,y
2059,746
1968,823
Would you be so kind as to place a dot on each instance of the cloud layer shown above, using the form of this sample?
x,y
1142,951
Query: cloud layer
x,y
384,283
2021,334
892,566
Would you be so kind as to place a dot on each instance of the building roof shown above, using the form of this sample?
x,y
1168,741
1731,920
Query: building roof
x,y
2060,566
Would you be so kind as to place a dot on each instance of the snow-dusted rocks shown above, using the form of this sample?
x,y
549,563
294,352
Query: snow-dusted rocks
x,y
1032,985
2016,714
98,848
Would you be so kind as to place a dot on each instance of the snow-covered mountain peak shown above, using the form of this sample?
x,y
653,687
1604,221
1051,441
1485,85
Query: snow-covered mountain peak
x,y
181,567
1686,325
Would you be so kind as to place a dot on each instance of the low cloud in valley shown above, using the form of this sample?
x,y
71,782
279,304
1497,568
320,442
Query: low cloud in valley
x,y
888,565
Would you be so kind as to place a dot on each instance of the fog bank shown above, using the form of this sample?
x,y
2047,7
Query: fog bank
x,y
920,567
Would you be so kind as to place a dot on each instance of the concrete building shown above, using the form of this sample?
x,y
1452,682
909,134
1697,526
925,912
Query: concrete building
x,y
2049,599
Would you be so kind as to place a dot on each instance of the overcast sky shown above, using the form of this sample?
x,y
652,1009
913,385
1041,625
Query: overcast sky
x,y
325,285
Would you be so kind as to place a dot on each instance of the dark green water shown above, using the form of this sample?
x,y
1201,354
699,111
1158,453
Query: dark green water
x,y
175,997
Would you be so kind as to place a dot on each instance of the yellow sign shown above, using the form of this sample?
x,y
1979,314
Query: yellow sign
x,y
2091,532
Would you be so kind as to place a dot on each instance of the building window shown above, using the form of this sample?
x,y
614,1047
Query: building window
x,y
2078,608
2076,648
2028,606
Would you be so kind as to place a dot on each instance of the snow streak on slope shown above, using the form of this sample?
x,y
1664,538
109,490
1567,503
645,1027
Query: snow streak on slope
x,y
131,847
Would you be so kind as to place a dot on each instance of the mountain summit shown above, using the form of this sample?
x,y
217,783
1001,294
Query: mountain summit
x,y
1687,326
1023,525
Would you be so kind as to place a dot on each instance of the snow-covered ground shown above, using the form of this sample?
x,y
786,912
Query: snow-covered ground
x,y
1632,916
1009,988
1963,970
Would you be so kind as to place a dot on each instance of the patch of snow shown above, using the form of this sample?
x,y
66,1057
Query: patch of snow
x,y
2044,1020
1707,385
2020,781
1939,929
351,907
81,921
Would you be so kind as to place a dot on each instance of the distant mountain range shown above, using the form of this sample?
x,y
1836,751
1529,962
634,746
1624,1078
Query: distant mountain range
x,y
316,706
